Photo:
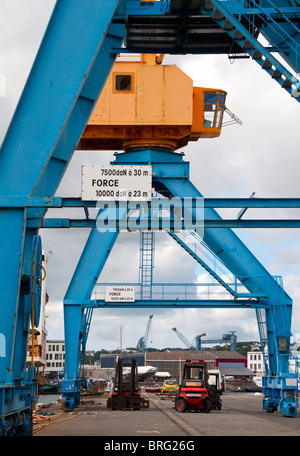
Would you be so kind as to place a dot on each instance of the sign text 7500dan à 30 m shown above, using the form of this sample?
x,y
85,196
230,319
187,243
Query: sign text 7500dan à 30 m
x,y
116,183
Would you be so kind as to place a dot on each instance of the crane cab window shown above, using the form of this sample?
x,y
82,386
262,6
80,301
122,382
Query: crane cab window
x,y
123,83
214,106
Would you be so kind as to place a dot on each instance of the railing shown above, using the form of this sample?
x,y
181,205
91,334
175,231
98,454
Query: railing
x,y
204,252
181,291
193,241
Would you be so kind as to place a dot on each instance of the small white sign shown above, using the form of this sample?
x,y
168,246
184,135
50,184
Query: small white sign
x,y
291,382
120,294
116,183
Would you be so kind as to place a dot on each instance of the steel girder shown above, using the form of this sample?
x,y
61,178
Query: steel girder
x,y
233,27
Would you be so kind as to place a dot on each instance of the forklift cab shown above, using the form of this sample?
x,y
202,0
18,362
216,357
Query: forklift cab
x,y
215,390
193,392
194,374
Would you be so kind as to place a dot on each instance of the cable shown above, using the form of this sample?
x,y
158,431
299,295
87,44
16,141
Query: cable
x,y
45,273
55,421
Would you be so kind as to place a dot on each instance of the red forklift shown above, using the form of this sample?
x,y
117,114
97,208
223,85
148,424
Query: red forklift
x,y
194,391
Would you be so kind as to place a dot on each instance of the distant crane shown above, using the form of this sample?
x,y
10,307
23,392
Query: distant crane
x,y
143,341
192,346
197,342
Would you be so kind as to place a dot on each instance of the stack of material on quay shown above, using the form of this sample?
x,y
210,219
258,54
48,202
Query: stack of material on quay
x,y
237,385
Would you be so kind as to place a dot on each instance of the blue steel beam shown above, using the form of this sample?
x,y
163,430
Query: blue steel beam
x,y
81,111
60,202
250,303
180,290
61,74
247,40
245,28
159,223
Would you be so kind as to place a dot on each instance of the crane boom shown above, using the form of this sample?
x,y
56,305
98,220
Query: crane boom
x,y
143,341
184,339
196,345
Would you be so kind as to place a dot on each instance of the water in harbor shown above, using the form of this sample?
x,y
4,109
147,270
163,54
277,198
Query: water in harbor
x,y
48,398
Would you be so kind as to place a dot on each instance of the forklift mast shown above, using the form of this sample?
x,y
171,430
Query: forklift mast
x,y
126,389
126,384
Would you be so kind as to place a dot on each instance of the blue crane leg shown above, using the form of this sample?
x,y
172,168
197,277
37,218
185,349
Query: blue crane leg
x,y
22,320
90,265
71,68
241,262
70,388
10,268
224,242
64,61
76,122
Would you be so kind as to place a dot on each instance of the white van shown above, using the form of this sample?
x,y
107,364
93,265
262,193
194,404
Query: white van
x,y
216,377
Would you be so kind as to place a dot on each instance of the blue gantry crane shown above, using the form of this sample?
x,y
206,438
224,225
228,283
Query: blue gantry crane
x,y
73,63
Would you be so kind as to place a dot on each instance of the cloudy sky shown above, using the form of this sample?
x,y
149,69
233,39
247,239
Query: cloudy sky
x,y
261,156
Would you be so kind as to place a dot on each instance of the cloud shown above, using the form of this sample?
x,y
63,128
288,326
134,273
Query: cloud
x,y
22,26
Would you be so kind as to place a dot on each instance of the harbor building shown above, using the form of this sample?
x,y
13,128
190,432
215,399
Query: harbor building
x,y
55,357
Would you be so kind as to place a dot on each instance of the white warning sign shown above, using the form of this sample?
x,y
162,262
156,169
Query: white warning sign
x,y
116,183
119,294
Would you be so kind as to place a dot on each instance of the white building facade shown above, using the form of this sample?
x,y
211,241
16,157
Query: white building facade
x,y
55,356
255,362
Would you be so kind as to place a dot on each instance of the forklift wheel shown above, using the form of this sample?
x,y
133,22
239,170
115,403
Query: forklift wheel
x,y
207,407
181,405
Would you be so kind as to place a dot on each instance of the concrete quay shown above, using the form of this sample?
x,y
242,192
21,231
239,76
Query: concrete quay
x,y
241,415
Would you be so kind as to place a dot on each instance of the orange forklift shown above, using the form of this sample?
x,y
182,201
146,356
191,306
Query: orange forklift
x,y
195,393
